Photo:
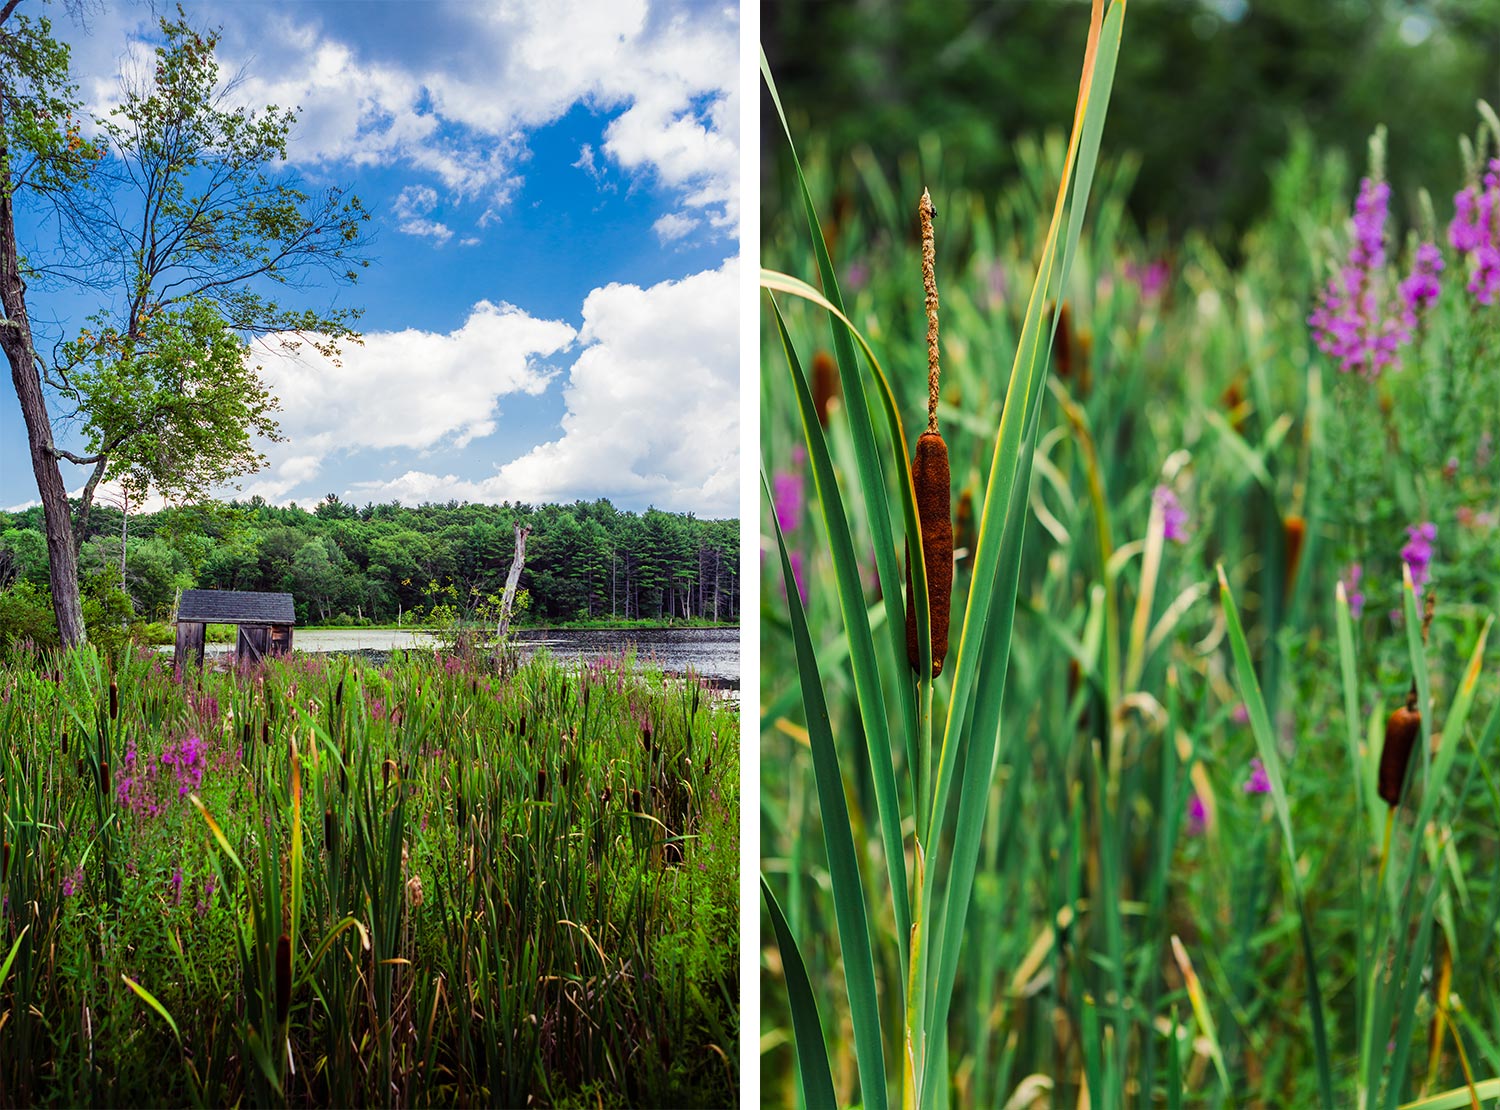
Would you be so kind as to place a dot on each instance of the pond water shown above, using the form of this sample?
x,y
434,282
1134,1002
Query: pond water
x,y
712,652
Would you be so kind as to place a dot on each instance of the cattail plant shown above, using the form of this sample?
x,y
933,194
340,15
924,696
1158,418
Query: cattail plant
x,y
930,479
949,756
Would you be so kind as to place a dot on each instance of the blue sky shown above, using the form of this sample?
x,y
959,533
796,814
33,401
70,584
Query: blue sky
x,y
551,310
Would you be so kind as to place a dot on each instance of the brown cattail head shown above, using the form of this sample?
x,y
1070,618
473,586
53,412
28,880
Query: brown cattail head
x,y
330,831
825,385
114,700
541,783
1232,399
104,779
1401,730
1062,344
283,977
963,524
1294,528
929,473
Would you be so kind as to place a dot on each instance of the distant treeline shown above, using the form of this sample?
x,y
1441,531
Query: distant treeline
x,y
384,563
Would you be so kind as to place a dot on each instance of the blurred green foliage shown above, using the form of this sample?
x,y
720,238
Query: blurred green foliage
x,y
1207,92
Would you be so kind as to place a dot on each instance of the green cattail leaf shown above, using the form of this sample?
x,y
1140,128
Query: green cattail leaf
x,y
838,836
1460,1096
869,689
1270,758
971,735
812,1054
150,1000
873,477
11,959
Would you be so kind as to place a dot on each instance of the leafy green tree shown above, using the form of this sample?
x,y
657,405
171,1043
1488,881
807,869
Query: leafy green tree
x,y
317,577
190,214
185,226
25,551
42,156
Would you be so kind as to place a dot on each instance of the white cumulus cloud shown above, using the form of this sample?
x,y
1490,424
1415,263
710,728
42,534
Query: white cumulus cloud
x,y
652,408
460,101
405,389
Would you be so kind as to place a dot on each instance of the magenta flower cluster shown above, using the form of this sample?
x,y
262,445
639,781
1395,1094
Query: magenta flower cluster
x,y
1472,233
1417,552
1356,320
1174,517
787,494
1352,591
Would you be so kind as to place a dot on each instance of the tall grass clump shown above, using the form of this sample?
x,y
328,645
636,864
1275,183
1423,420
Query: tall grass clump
x,y
1200,809
948,758
319,881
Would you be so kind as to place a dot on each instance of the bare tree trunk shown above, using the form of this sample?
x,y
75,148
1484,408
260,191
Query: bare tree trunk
x,y
16,341
510,582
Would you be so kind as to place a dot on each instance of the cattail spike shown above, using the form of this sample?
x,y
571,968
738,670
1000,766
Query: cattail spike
x,y
1401,729
930,476
929,285
1294,528
929,473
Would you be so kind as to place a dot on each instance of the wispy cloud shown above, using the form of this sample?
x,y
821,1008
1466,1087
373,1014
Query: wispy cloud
x,y
412,207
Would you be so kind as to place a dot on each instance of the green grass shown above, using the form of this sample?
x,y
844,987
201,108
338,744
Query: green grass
x,y
321,882
1129,843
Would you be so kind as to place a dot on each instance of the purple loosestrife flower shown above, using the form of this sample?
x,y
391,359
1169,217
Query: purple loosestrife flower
x,y
1421,288
1174,517
1417,553
72,883
1352,591
1472,234
1258,782
1197,816
1149,277
1354,320
800,575
786,493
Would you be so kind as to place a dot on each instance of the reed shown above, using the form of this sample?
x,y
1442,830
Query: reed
x,y
439,932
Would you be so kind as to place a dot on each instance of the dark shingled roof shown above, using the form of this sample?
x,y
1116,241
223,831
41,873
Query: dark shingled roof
x,y
236,607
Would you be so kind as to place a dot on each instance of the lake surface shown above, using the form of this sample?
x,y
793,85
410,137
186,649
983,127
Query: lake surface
x,y
712,652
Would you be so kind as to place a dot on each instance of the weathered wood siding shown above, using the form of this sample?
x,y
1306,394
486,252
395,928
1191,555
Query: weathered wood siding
x,y
252,644
190,637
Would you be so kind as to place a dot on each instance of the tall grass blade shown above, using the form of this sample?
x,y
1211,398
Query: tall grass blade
x,y
812,1053
843,863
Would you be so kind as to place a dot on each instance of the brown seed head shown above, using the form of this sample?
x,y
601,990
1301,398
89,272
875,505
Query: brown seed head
x,y
1294,528
825,385
1401,730
929,472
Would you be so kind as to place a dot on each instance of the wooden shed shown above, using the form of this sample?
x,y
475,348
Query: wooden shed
x,y
264,621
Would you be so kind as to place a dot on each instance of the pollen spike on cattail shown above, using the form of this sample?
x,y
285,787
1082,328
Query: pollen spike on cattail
x,y
932,483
